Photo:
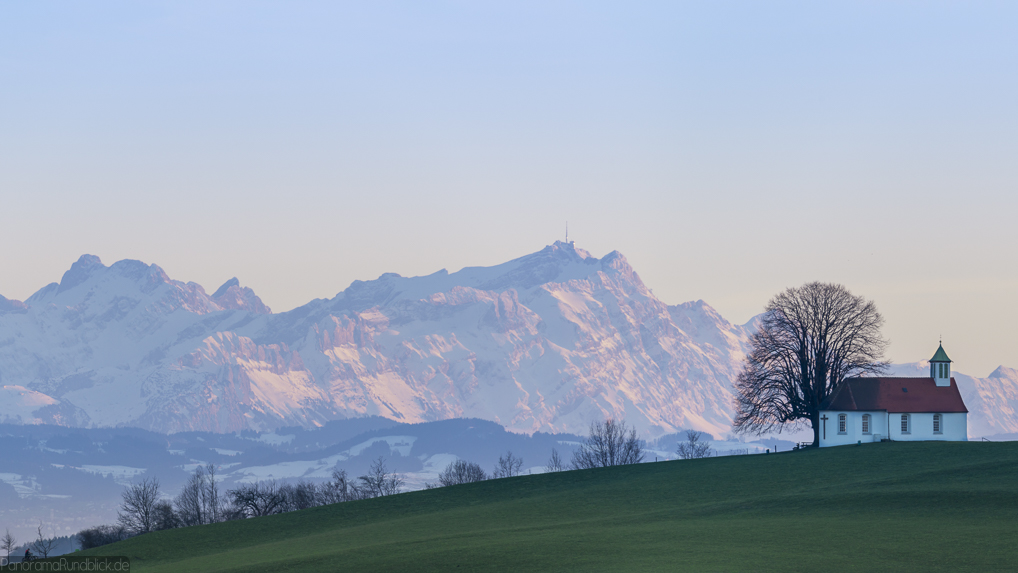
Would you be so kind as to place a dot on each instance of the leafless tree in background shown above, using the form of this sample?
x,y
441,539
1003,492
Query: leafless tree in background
x,y
693,448
215,505
338,489
608,445
199,502
461,471
165,517
507,466
257,499
189,504
295,497
101,535
811,339
8,542
43,545
379,481
554,463
138,511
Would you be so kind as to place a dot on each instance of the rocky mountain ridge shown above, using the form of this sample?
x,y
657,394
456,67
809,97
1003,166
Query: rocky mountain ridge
x,y
546,342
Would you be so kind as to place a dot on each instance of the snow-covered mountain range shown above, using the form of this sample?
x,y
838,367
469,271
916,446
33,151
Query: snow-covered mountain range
x,y
549,342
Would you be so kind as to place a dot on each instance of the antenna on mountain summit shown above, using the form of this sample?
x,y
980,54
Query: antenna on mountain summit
x,y
567,232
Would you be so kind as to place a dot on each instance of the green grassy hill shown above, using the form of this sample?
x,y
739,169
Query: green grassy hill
x,y
886,507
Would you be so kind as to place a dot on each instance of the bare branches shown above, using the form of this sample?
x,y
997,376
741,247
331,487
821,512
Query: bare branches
x,y
199,502
693,448
8,542
507,466
555,462
257,499
810,339
379,481
339,489
298,496
138,511
608,445
461,471
165,517
43,545
101,535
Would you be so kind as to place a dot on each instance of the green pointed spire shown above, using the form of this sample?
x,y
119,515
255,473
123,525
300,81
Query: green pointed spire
x,y
940,356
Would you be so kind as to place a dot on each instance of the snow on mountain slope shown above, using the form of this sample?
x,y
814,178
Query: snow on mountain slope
x,y
992,401
8,305
17,404
550,341
116,345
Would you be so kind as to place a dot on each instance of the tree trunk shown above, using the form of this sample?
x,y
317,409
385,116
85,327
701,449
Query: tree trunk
x,y
815,420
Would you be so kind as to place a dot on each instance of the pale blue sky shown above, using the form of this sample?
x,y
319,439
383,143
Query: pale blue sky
x,y
728,149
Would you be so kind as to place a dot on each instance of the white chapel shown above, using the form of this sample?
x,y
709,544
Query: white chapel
x,y
898,409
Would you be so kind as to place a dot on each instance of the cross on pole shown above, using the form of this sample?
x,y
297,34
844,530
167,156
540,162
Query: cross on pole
x,y
824,418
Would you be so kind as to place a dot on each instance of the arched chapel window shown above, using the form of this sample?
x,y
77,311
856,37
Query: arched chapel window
x,y
865,423
938,424
904,423
842,423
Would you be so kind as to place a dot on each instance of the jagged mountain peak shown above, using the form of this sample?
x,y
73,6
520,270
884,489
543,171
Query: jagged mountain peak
x,y
549,341
1004,372
222,290
235,297
89,284
80,271
89,266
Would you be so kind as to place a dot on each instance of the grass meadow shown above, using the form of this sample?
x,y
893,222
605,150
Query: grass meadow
x,y
888,507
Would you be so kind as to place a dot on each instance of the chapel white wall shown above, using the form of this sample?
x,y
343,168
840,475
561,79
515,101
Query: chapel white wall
x,y
854,433
954,428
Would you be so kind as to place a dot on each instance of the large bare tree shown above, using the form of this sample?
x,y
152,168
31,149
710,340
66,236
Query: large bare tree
x,y
811,338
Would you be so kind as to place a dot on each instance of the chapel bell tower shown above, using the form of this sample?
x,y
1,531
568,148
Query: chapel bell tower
x,y
940,367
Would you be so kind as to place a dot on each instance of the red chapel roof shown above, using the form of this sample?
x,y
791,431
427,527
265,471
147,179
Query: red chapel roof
x,y
906,395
